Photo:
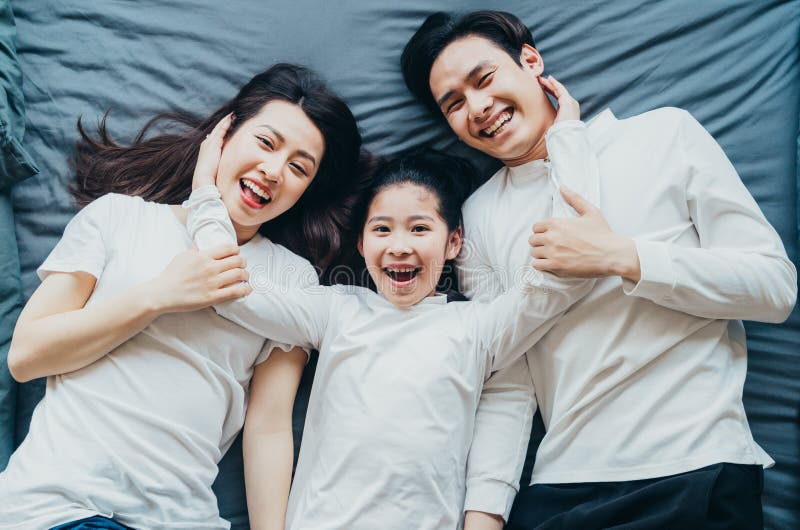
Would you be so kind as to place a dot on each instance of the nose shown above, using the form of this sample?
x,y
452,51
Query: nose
x,y
270,169
398,246
479,105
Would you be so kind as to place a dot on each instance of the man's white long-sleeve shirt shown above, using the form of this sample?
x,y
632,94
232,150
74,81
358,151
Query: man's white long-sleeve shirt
x,y
636,380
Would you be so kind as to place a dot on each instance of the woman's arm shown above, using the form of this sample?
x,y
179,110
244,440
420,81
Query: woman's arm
x,y
58,333
268,444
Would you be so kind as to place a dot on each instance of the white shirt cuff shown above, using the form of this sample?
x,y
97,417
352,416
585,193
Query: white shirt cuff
x,y
657,277
561,125
489,496
201,194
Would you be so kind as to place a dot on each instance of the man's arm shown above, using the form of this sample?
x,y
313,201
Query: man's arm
x,y
740,270
500,441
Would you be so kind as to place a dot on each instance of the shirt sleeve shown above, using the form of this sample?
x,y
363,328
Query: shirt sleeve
x,y
500,441
84,245
207,218
512,323
508,402
573,164
506,328
283,310
741,270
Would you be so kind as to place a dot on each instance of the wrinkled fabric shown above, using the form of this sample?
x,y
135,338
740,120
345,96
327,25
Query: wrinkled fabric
x,y
15,162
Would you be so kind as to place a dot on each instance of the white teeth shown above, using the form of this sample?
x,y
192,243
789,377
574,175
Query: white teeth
x,y
258,191
499,122
401,269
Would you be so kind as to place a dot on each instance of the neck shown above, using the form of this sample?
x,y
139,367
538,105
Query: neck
x,y
538,150
244,233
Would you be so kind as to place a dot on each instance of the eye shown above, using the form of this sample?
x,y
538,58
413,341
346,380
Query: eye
x,y
420,228
485,77
266,141
299,168
381,228
454,106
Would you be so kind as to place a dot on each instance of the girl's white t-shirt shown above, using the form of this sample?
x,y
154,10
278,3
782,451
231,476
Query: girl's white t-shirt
x,y
137,435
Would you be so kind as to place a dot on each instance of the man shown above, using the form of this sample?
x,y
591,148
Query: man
x,y
640,382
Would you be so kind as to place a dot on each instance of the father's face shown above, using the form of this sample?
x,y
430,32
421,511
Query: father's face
x,y
492,103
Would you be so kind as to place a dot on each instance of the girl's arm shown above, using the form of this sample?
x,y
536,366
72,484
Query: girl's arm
x,y
268,443
514,321
573,162
58,333
286,305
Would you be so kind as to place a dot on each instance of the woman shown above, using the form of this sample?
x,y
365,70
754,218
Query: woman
x,y
147,387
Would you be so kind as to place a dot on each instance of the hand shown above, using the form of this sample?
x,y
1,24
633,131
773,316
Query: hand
x,y
568,106
583,247
197,279
205,171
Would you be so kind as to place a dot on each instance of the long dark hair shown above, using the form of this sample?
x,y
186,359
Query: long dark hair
x,y
159,168
450,179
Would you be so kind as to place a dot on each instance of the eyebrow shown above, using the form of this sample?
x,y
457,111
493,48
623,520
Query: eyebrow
x,y
304,154
472,73
417,217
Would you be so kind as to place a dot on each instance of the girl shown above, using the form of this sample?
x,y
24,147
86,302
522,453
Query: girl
x,y
400,370
146,390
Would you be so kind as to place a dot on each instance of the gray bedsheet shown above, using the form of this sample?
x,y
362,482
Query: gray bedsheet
x,y
733,63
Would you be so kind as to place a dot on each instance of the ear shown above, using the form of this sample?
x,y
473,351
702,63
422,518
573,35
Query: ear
x,y
454,243
531,60
360,245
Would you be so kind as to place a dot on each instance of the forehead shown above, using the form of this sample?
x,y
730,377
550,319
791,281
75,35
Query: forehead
x,y
406,198
460,56
292,123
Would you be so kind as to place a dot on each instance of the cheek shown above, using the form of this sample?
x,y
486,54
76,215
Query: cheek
x,y
371,250
433,255
294,188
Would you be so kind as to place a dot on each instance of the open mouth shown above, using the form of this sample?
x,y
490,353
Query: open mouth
x,y
254,195
402,274
498,125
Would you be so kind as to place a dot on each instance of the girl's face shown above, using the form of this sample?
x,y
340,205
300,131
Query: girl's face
x,y
267,164
405,243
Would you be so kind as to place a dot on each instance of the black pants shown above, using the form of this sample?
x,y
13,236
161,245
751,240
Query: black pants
x,y
721,496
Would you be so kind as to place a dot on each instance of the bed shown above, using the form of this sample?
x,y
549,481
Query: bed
x,y
734,64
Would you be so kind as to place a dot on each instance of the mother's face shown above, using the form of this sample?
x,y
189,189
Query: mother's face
x,y
267,164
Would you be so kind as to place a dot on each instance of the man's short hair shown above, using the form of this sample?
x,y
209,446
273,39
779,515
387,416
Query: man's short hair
x,y
504,30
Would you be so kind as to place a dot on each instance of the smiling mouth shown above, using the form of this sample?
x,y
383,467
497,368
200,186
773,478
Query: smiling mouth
x,y
254,193
402,274
498,125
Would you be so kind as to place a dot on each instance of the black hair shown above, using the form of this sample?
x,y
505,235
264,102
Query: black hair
x,y
450,178
159,168
504,30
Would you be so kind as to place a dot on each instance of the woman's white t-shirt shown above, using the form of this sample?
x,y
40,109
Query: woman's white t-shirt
x,y
137,435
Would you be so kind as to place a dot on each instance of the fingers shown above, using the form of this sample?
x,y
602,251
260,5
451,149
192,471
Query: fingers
x,y
217,134
231,277
236,290
541,227
228,263
544,265
568,106
538,240
581,205
549,86
539,252
220,251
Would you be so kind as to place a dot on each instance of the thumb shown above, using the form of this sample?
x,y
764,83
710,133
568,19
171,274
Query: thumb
x,y
581,205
